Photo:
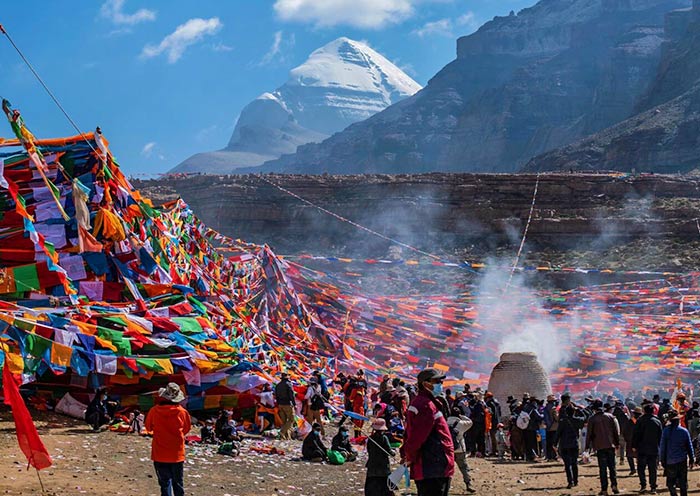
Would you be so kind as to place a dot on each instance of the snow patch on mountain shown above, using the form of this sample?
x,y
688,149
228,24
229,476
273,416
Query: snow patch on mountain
x,y
341,83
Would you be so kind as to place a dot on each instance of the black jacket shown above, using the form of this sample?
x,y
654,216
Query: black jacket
x,y
646,436
378,460
339,442
535,416
569,429
284,393
313,447
495,408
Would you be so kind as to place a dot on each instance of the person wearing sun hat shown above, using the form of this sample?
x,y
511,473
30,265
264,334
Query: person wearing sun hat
x,y
428,449
675,452
379,453
169,422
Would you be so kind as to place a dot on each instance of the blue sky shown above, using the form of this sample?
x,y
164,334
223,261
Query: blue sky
x,y
166,79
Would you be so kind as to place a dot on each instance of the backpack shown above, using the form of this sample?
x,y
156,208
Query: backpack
x,y
229,449
523,420
335,457
317,402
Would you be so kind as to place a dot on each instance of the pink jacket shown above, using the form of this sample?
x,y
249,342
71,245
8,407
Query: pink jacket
x,y
427,444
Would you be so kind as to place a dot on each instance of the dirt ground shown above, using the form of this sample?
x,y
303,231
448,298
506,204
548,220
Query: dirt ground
x,y
118,464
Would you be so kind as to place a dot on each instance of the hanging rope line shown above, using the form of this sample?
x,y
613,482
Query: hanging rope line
x,y
50,93
527,228
348,221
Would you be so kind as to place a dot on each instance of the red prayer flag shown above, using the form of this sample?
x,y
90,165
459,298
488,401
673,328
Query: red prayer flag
x,y
27,437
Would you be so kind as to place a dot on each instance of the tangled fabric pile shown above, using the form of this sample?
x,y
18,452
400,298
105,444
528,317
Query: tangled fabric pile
x,y
100,288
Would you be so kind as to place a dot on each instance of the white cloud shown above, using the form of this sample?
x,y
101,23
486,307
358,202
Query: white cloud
x,y
148,149
469,20
113,10
372,14
447,27
189,33
442,27
221,47
279,45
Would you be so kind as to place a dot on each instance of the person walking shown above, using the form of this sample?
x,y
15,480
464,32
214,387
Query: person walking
x,y
676,454
646,438
427,448
169,422
571,421
459,424
284,395
603,436
626,423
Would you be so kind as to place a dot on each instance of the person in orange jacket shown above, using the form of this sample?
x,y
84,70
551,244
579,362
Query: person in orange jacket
x,y
169,422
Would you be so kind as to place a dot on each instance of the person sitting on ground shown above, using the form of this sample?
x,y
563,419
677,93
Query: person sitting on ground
x,y
207,432
96,414
396,428
221,423
379,453
228,432
341,443
313,449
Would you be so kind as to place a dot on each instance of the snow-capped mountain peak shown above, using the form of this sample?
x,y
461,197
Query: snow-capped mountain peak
x,y
350,64
341,83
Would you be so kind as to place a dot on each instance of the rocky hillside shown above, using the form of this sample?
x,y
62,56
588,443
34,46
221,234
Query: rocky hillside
x,y
520,86
343,82
665,134
582,219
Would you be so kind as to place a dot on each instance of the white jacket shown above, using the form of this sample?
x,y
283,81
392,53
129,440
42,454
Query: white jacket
x,y
461,425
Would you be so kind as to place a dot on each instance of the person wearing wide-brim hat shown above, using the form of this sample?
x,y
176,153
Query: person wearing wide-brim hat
x,y
676,454
379,453
169,422
427,446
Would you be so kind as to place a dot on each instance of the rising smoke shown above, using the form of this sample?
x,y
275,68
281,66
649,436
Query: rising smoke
x,y
516,318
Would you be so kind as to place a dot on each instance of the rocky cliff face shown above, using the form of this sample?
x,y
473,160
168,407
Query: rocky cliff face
x,y
520,85
342,82
602,220
665,134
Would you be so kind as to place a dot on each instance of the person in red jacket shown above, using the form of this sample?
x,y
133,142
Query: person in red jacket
x,y
427,448
169,422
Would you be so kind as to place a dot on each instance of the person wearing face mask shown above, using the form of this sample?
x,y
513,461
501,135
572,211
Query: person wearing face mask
x,y
428,449
341,443
313,449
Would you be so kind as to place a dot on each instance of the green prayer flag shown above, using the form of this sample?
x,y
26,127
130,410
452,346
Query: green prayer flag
x,y
188,325
35,345
26,277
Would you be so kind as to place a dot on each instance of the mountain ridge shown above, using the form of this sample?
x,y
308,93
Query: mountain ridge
x,y
520,86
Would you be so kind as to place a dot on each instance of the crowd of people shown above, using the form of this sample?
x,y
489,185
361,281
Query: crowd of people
x,y
434,431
